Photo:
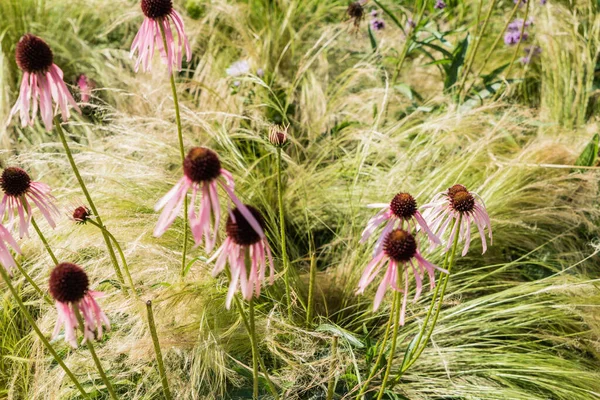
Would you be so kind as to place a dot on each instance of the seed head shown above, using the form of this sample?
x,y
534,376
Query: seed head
x,y
202,165
403,205
15,181
463,202
33,55
278,135
400,245
156,9
68,283
356,12
456,189
240,231
81,214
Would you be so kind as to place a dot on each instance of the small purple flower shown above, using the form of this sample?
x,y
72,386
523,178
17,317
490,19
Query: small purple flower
x,y
260,72
440,5
516,32
374,14
543,2
531,53
377,24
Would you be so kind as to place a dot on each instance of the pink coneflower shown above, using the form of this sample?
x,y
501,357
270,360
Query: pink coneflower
x,y
202,172
6,259
402,208
160,13
454,204
400,252
242,239
278,134
19,189
43,80
85,88
69,286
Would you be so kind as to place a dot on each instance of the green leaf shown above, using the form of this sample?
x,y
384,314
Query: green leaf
x,y
409,351
590,154
373,40
458,59
342,333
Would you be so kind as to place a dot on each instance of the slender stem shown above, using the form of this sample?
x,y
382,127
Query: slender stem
x,y
474,52
397,300
238,305
381,346
32,283
512,61
331,383
159,358
284,256
488,56
40,334
181,152
440,303
90,346
121,254
254,348
407,43
111,251
311,288
43,238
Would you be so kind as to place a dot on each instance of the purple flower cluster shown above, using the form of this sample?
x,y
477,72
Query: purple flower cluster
x,y
516,32
377,24
440,5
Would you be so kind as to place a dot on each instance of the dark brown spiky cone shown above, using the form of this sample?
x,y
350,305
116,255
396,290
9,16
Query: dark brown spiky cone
x,y
81,214
202,165
240,231
15,181
33,55
400,245
456,189
68,283
403,206
462,202
356,12
157,9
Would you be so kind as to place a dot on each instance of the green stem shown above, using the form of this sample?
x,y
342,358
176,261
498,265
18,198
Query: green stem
x,y
397,301
488,56
32,283
441,301
311,289
181,152
284,256
37,330
90,346
254,349
43,238
238,305
407,44
375,367
159,358
477,43
331,383
119,250
111,251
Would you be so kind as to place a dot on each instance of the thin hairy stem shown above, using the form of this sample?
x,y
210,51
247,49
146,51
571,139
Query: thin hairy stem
x,y
44,241
37,330
159,357
333,365
32,283
90,347
397,301
311,288
284,256
181,153
109,246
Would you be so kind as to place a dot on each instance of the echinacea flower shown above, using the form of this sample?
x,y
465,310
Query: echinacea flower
x,y
6,259
202,173
457,207
160,14
42,82
400,252
69,286
19,190
243,241
278,134
85,88
402,208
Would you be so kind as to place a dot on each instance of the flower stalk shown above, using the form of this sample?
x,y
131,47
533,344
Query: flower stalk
x,y
284,255
157,351
32,283
107,240
44,241
396,323
331,383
